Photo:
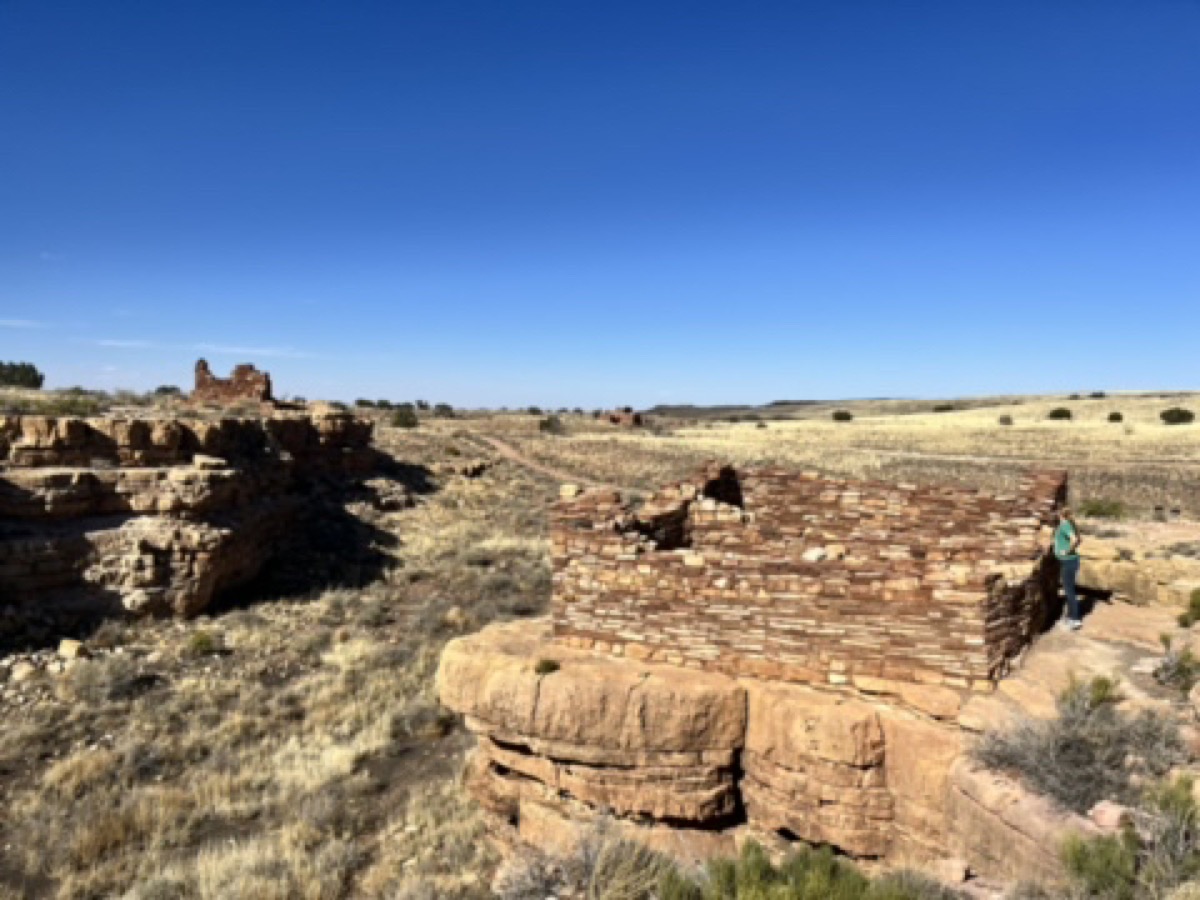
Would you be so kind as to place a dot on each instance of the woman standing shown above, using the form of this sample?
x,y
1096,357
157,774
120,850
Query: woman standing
x,y
1066,550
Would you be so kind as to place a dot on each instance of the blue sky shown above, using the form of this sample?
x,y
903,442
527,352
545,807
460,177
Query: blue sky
x,y
570,203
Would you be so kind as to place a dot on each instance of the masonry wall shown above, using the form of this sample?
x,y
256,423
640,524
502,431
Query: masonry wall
x,y
245,383
795,577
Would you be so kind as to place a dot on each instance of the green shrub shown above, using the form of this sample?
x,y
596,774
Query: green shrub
x,y
1157,852
806,874
1115,417
1006,420
1177,416
20,374
604,866
1091,751
1059,413
552,425
547,666
1102,509
1097,395
842,415
363,403
1179,669
1104,866
1191,615
405,417
443,411
944,407
203,643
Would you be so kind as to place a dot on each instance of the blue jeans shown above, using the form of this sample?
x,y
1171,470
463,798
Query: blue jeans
x,y
1070,572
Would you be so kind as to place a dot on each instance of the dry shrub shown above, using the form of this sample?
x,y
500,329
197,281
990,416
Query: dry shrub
x,y
103,680
1090,752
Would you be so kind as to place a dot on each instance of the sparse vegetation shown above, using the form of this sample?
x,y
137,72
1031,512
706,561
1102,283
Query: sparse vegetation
x,y
1191,615
1005,420
1059,413
1157,851
1116,417
1100,508
309,759
1090,752
842,415
607,867
547,666
1179,667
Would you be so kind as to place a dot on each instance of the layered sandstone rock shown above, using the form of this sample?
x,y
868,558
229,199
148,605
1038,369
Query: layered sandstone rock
x,y
1143,572
157,515
642,741
693,762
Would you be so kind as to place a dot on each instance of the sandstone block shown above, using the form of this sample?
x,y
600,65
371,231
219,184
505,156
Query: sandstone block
x,y
71,649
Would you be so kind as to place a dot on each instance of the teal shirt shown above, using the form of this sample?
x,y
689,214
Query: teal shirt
x,y
1062,541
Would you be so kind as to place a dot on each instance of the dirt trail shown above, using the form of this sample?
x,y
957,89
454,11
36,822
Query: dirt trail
x,y
511,453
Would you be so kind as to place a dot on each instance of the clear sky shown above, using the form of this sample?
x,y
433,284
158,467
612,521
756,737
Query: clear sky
x,y
569,203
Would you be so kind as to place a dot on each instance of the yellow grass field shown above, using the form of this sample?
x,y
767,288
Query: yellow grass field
x,y
1140,462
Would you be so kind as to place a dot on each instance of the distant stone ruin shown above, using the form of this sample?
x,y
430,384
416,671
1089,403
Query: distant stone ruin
x,y
246,383
769,654
625,418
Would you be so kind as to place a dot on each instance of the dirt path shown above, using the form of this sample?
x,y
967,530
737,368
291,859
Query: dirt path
x,y
511,453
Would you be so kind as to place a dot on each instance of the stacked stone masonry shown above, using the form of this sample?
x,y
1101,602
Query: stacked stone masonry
x,y
792,576
769,654
246,383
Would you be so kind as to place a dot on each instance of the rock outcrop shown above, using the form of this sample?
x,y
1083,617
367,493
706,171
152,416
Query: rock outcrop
x,y
1155,564
692,762
157,516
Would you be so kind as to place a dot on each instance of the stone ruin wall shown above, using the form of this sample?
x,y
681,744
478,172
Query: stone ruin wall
x,y
772,655
624,418
157,515
246,383
795,577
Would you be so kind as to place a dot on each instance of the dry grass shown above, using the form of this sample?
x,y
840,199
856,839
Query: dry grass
x,y
306,759
294,748
1140,462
